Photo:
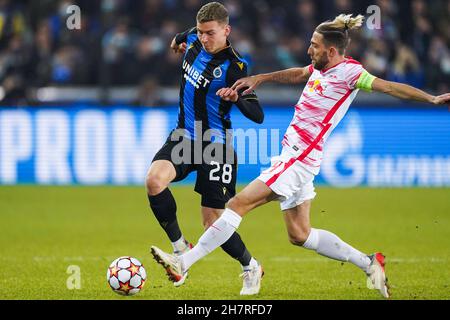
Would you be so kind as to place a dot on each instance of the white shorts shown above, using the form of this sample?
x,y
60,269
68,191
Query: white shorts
x,y
290,179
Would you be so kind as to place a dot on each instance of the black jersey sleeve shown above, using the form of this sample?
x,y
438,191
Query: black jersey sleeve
x,y
248,104
182,37
251,109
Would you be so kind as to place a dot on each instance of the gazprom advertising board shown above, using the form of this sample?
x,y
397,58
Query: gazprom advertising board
x,y
93,145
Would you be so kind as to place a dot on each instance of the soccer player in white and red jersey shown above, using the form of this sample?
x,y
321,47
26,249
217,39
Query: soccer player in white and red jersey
x,y
333,81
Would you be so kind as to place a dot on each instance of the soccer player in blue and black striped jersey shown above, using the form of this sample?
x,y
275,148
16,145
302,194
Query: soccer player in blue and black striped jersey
x,y
210,67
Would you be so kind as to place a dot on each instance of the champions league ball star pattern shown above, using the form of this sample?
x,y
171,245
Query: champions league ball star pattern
x,y
126,276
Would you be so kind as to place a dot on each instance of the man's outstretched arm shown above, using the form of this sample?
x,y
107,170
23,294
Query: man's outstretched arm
x,y
289,76
404,91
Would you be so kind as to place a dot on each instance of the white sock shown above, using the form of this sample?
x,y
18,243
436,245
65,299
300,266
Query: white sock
x,y
329,245
253,263
180,245
216,235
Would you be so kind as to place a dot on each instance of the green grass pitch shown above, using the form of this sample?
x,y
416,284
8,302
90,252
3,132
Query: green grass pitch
x,y
44,230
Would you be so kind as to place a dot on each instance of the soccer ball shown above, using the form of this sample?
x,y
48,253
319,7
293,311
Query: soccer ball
x,y
126,276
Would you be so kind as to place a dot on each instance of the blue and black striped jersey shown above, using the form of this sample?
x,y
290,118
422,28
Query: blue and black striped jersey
x,y
202,75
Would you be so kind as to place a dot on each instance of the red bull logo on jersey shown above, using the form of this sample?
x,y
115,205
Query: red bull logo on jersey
x,y
316,85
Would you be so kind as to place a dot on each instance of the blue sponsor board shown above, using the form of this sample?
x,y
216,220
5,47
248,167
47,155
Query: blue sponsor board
x,y
93,145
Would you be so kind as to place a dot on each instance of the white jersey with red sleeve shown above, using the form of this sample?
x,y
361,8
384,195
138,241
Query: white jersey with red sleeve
x,y
325,100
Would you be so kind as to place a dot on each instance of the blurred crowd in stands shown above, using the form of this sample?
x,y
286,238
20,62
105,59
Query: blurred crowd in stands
x,y
126,42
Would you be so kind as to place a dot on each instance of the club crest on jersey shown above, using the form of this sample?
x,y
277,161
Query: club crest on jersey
x,y
317,86
217,72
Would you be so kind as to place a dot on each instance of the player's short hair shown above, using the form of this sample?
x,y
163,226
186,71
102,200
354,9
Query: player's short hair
x,y
335,33
213,11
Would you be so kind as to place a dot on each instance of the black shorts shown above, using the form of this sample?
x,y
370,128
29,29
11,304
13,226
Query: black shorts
x,y
215,163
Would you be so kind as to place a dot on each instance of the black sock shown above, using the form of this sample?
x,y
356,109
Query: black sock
x,y
165,209
235,247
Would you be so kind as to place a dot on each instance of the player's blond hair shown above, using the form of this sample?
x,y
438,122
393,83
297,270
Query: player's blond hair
x,y
344,22
335,33
213,11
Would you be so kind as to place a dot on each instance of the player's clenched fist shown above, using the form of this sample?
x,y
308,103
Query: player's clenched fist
x,y
228,94
178,48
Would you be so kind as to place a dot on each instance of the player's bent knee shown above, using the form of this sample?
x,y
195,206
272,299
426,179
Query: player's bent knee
x,y
297,241
299,238
155,184
236,203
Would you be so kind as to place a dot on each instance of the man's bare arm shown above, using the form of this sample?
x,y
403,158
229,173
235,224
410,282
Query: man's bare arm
x,y
288,76
404,91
